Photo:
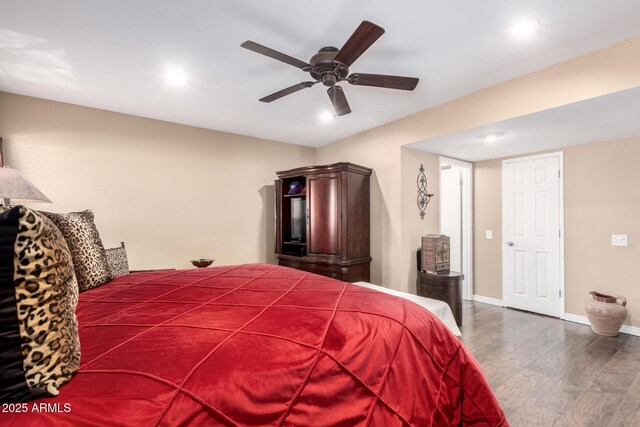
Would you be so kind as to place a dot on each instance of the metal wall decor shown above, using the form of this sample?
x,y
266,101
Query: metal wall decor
x,y
423,197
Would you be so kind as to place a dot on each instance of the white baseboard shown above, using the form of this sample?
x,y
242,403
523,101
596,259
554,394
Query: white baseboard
x,y
488,300
576,319
626,329
631,330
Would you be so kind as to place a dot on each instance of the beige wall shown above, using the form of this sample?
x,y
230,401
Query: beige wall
x,y
601,197
178,165
414,227
487,215
599,73
171,192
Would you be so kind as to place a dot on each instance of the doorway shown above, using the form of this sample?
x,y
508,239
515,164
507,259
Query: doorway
x,y
532,229
456,216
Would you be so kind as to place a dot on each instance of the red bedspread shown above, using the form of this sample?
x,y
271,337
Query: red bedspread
x,y
262,345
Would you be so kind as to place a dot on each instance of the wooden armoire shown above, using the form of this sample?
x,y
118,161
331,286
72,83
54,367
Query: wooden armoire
x,y
322,220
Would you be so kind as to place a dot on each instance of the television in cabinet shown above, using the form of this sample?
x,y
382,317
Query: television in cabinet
x,y
322,220
298,219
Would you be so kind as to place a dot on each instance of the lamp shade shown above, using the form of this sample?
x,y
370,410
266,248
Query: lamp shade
x,y
16,188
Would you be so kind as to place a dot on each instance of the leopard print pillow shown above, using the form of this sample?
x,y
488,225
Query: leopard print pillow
x,y
39,340
117,259
89,257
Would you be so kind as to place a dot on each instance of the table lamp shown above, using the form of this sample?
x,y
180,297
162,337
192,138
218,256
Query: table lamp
x,y
16,188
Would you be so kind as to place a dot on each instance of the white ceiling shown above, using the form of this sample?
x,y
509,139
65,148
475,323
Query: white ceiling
x,y
112,54
605,118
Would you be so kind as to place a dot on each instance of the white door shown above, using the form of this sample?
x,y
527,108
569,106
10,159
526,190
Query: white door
x,y
532,234
451,212
456,216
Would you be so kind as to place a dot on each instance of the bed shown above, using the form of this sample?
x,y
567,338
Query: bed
x,y
439,308
258,345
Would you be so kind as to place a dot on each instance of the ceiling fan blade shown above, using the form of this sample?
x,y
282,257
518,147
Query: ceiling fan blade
x,y
382,80
339,101
263,50
362,38
287,91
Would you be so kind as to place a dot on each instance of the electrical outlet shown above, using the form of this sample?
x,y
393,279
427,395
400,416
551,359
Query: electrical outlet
x,y
489,234
619,240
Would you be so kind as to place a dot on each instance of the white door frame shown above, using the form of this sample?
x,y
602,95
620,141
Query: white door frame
x,y
560,156
467,223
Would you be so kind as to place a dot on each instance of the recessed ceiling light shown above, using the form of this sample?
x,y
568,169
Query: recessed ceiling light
x,y
175,76
525,27
326,116
491,137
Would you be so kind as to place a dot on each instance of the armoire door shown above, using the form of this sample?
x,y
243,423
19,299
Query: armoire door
x,y
323,195
278,216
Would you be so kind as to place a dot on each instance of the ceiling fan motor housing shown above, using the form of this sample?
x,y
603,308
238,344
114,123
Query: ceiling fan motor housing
x,y
324,69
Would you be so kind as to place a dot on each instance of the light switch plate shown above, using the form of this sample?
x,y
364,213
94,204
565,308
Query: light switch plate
x,y
489,234
619,240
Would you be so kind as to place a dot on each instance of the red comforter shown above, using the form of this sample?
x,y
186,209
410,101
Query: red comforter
x,y
261,345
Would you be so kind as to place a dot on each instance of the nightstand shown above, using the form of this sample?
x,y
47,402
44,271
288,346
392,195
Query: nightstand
x,y
445,287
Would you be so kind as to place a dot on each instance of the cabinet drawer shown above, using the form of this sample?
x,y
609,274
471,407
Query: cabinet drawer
x,y
323,270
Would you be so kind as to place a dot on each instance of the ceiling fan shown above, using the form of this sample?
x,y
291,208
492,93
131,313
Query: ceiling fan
x,y
331,66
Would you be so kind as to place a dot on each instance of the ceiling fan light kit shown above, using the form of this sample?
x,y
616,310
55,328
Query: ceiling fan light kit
x,y
330,66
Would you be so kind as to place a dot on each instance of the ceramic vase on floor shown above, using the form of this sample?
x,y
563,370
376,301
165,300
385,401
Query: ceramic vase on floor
x,y
606,313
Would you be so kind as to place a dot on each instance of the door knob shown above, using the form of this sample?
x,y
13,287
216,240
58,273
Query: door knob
x,y
509,243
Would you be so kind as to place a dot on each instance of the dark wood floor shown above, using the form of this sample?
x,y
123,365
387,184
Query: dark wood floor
x,y
549,372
